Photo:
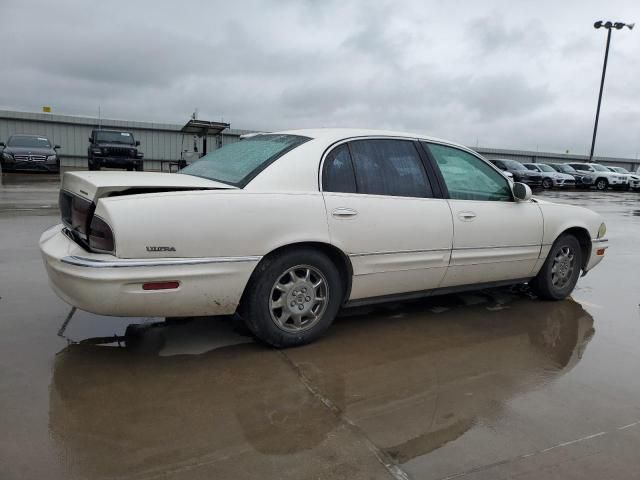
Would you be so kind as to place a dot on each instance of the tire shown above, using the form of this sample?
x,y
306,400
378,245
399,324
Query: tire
x,y
547,183
300,317
139,167
602,184
93,166
130,169
559,274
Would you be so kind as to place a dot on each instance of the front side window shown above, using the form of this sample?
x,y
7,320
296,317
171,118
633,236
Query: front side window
x,y
389,167
468,177
513,165
531,167
237,163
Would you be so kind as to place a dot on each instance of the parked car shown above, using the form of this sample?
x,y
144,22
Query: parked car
x,y
583,180
287,228
520,172
633,179
114,149
604,178
29,152
550,177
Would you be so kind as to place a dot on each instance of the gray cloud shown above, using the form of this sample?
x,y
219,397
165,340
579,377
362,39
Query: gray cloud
x,y
499,74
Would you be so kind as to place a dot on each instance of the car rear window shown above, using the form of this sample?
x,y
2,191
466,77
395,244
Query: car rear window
x,y
238,163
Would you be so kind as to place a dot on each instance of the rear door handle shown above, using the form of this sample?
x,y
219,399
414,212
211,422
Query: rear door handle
x,y
343,212
466,216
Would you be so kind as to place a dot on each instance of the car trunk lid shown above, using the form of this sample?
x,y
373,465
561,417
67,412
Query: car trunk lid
x,y
94,185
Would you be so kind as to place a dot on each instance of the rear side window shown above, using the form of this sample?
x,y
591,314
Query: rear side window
x,y
338,171
389,167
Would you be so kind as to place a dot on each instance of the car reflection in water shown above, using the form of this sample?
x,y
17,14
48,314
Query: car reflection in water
x,y
411,379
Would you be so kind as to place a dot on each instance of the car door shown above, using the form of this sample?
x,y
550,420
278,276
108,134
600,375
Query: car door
x,y
383,213
495,237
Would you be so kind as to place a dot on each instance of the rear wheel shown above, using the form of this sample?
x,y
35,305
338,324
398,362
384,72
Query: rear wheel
x,y
292,298
602,184
558,276
547,183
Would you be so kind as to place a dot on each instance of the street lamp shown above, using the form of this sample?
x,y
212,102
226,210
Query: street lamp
x,y
609,26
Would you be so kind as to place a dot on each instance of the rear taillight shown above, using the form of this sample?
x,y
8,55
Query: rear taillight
x,y
75,211
100,236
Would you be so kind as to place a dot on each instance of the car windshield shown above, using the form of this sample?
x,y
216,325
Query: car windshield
x,y
237,163
563,167
581,166
28,141
545,168
620,170
600,168
513,165
114,137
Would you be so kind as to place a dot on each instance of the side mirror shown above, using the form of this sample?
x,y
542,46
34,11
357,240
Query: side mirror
x,y
56,147
2,144
521,191
90,140
137,143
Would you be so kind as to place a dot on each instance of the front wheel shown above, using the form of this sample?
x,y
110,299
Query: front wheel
x,y
547,183
292,298
559,274
602,184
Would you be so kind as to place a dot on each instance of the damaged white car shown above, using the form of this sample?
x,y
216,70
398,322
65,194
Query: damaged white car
x,y
287,228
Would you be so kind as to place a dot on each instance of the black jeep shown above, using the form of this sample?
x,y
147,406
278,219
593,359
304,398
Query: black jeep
x,y
114,149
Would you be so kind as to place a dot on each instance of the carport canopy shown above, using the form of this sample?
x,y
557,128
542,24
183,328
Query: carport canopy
x,y
203,129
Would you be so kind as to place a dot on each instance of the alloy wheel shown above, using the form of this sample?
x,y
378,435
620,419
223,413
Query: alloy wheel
x,y
563,267
299,298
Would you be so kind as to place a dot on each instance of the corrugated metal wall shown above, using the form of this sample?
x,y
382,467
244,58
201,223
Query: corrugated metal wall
x,y
158,141
164,142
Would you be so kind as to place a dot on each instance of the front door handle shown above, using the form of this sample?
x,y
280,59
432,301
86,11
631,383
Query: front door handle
x,y
344,212
466,216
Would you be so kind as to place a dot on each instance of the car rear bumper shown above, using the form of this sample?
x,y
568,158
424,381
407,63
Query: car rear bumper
x,y
108,285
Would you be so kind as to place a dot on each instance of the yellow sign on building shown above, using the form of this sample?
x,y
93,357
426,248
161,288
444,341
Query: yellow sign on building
x,y
46,109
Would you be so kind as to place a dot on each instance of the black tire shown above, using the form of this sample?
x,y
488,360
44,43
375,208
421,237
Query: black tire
x,y
140,167
130,169
93,166
560,272
547,183
261,291
602,184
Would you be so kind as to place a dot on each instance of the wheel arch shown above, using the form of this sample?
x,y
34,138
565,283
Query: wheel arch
x,y
584,239
337,256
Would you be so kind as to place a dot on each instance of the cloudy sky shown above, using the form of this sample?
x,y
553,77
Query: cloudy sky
x,y
494,73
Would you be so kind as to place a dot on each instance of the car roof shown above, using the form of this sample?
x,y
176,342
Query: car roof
x,y
110,130
334,134
28,135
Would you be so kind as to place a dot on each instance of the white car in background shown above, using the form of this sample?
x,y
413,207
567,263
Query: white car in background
x,y
552,178
287,228
604,178
633,179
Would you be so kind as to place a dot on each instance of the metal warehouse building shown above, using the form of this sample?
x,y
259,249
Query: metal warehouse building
x,y
162,142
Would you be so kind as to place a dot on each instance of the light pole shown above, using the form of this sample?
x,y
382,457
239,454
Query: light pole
x,y
609,26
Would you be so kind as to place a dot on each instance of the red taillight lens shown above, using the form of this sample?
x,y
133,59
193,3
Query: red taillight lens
x,y
100,236
160,285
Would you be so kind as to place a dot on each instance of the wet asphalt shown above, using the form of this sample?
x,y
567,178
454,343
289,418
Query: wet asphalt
x,y
487,385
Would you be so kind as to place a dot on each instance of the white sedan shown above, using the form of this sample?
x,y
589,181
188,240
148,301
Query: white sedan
x,y
287,228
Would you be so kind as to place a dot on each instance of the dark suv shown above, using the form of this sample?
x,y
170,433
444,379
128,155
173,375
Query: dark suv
x,y
114,149
520,172
29,152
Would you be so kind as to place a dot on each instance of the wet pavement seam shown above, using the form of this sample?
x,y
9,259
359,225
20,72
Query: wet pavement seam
x,y
539,452
383,458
